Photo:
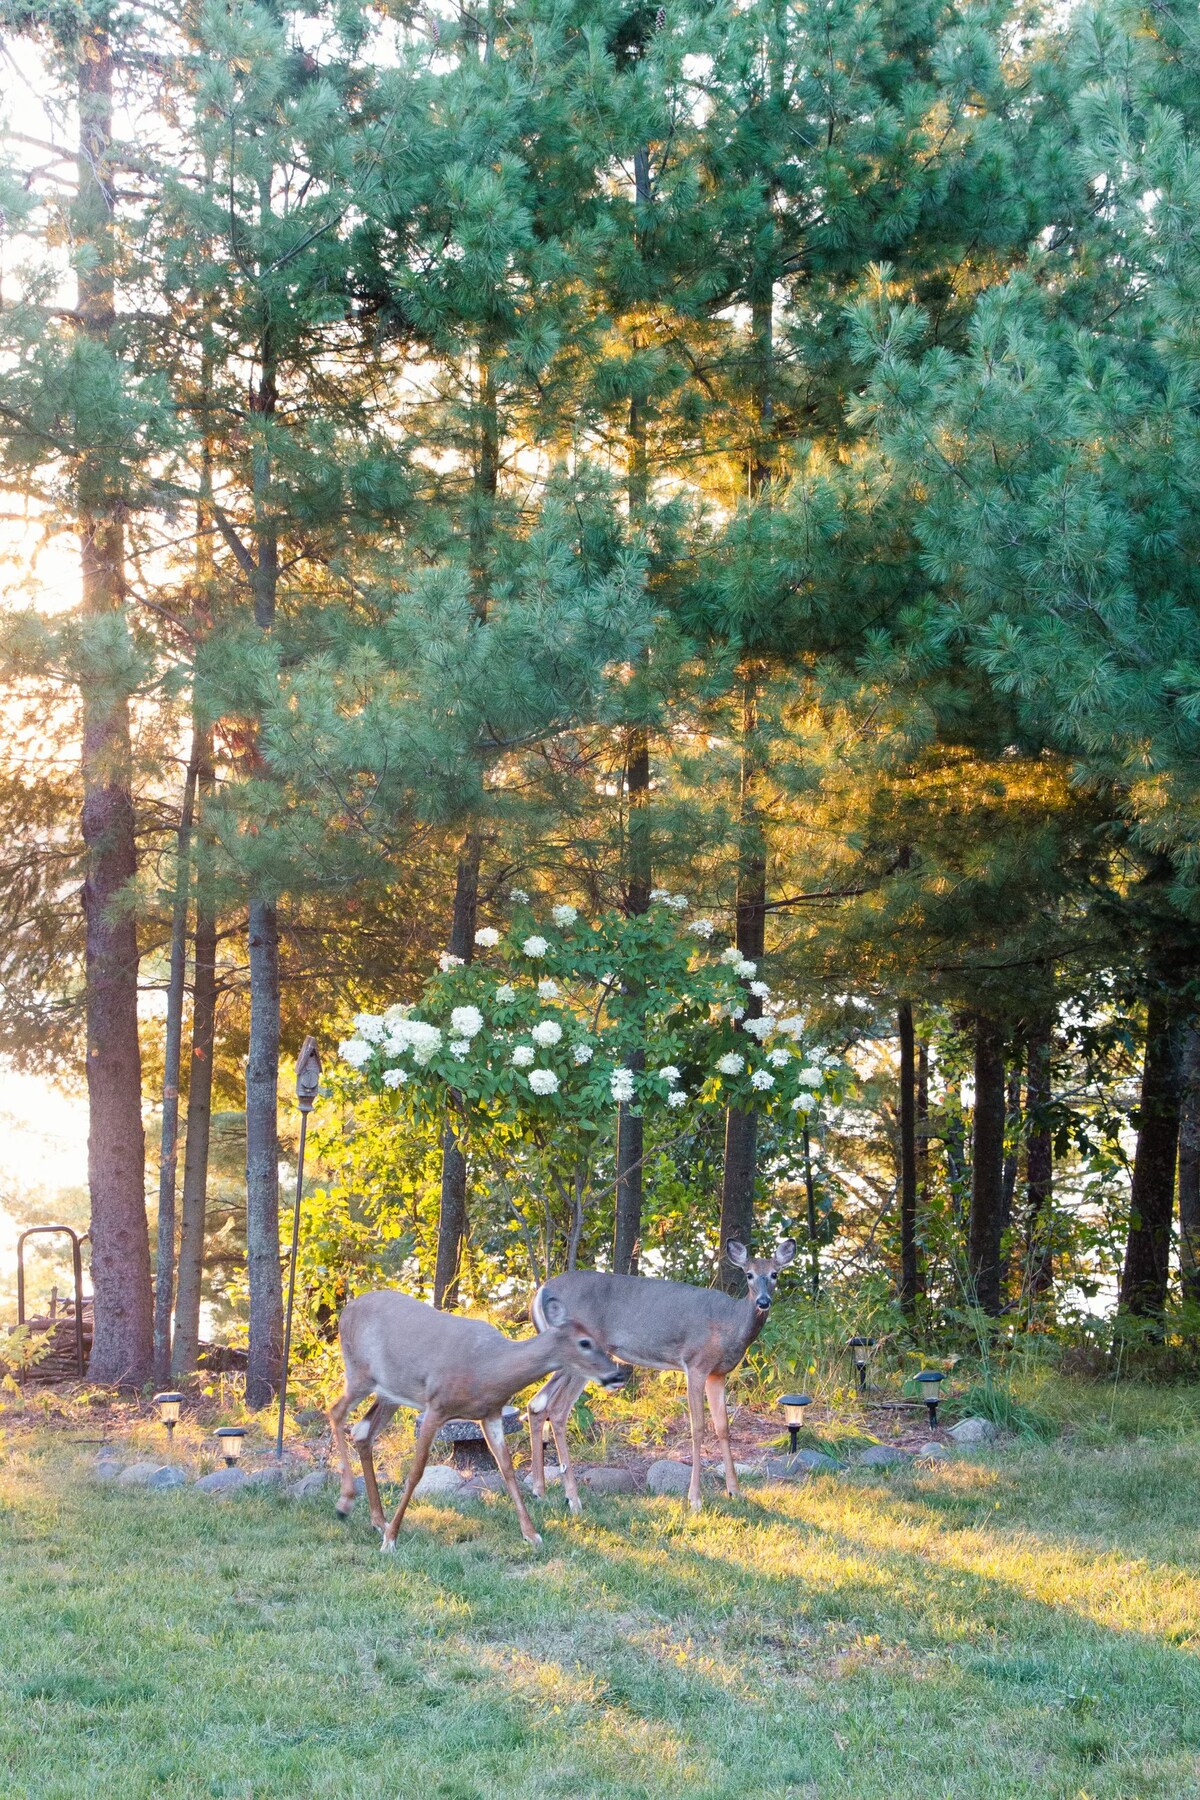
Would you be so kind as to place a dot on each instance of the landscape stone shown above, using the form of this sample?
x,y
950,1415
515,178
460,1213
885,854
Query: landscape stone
x,y
667,1477
608,1481
151,1475
975,1431
932,1452
106,1469
442,1478
270,1475
311,1484
882,1456
223,1481
805,1462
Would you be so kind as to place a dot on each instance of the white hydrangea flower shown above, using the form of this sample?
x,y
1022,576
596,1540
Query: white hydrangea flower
x,y
804,1103
810,1077
762,1079
356,1051
548,989
394,1014
547,1032
506,993
520,897
759,1028
760,990
487,937
778,1058
660,895
669,1073
522,1057
679,902
793,1025
677,1097
731,955
543,1081
459,1048
446,962
394,1078
369,1026
535,945
737,1012
583,1053
702,927
621,1085
563,916
745,968
731,1063
425,1039
467,1021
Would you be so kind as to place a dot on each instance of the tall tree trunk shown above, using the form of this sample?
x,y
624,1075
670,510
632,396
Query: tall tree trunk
x,y
262,1065
1012,1157
1152,1195
1039,1163
168,1158
923,1189
193,1206
741,1126
987,1167
1189,1168
452,1213
122,1348
909,1272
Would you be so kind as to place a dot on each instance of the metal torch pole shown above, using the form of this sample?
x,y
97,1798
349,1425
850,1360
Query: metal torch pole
x,y
308,1075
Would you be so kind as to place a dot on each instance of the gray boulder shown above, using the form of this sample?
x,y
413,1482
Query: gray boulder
x,y
932,1452
667,1477
805,1462
882,1456
156,1476
437,1481
106,1469
312,1484
608,1481
975,1431
223,1481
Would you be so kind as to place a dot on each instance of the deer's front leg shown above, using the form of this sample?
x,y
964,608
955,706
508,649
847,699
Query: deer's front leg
x,y
539,1408
493,1431
695,1391
714,1387
429,1428
337,1425
560,1414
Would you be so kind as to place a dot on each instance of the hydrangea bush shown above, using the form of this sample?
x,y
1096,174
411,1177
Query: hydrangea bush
x,y
534,1044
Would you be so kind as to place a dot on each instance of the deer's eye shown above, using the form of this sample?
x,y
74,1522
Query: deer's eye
x,y
586,1344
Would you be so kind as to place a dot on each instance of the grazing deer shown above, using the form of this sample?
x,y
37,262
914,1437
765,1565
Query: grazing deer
x,y
657,1325
406,1354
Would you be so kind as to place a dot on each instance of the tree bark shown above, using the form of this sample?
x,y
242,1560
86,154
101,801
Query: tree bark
x,y
909,1272
631,1143
452,1211
923,1190
1189,1168
122,1347
1039,1164
168,1159
987,1167
741,1127
262,1159
193,1207
1152,1195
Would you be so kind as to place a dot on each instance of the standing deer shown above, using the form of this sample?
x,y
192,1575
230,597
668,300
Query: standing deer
x,y
407,1354
657,1325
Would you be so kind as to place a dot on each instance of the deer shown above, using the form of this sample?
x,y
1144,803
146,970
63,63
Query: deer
x,y
447,1367
657,1325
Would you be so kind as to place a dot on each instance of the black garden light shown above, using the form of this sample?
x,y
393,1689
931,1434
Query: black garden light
x,y
230,1440
860,1350
930,1382
793,1415
168,1411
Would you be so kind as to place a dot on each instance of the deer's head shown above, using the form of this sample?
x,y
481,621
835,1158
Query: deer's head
x,y
582,1352
761,1272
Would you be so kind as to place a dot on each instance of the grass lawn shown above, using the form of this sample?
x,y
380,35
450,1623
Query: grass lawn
x,y
1026,1624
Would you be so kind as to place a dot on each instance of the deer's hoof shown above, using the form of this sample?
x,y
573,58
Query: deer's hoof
x,y
535,1540
388,1546
343,1509
574,1506
696,1505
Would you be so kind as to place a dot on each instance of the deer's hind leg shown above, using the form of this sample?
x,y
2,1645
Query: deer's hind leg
x,y
430,1425
364,1435
559,1413
493,1431
356,1390
714,1387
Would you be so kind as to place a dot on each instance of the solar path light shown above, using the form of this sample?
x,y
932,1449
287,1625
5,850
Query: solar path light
x,y
930,1383
230,1439
793,1415
860,1349
168,1411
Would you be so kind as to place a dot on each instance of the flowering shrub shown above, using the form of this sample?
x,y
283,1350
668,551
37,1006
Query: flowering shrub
x,y
535,1043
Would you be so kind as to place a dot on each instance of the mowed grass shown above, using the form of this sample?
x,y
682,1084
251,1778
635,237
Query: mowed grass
x,y
1025,1624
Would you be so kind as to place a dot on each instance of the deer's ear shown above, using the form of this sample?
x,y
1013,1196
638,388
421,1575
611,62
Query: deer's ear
x,y
553,1311
737,1253
785,1250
